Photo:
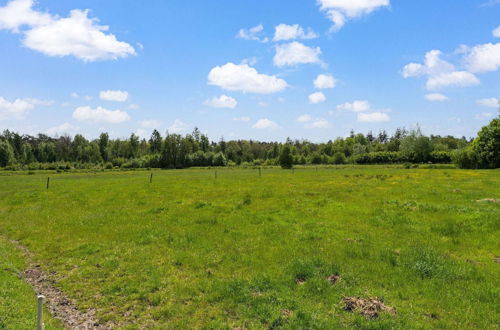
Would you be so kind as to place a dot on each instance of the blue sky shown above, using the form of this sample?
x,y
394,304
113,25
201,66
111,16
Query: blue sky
x,y
247,69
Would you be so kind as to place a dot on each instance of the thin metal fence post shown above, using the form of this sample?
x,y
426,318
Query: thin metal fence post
x,y
39,314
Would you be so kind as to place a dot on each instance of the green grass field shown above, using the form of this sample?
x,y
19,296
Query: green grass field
x,y
192,251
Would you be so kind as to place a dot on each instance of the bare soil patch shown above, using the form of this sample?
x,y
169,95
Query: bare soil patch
x,y
368,307
58,303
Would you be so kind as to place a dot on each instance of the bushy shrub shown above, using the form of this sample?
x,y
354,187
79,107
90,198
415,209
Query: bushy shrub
x,y
382,157
151,161
219,159
133,163
339,158
315,158
118,161
6,154
465,158
441,157
487,145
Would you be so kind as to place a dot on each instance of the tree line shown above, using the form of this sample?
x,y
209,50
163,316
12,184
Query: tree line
x,y
20,151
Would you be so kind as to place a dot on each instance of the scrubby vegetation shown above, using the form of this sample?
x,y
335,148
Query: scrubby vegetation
x,y
192,150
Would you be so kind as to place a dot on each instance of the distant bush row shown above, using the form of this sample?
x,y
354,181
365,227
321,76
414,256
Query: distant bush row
x,y
195,149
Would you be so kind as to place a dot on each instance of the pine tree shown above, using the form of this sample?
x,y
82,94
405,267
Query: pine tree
x,y
286,159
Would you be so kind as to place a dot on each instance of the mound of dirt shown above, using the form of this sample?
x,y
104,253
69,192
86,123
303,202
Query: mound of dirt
x,y
368,307
333,279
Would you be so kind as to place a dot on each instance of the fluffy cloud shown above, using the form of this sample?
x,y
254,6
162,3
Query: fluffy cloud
x,y
318,123
433,65
339,11
453,79
296,53
356,106
365,112
436,97
100,115
316,98
117,96
244,78
483,58
150,123
222,101
490,103
254,33
178,127
439,73
76,35
265,124
19,13
496,32
374,117
19,108
304,118
323,81
142,133
62,129
290,32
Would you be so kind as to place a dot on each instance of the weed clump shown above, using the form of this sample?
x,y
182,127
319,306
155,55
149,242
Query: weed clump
x,y
368,307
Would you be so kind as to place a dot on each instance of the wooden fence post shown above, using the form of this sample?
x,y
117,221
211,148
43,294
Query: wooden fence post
x,y
48,181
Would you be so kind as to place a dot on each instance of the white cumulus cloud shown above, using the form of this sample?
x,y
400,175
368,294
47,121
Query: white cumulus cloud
x,y
317,97
323,81
100,115
291,32
19,13
295,53
318,123
244,78
178,127
496,32
62,129
222,101
76,35
265,124
142,133
452,79
356,106
253,33
304,118
483,58
439,73
436,97
150,123
117,96
339,11
19,108
489,102
373,117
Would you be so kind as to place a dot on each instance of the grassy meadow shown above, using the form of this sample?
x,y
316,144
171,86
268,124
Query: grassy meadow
x,y
237,250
